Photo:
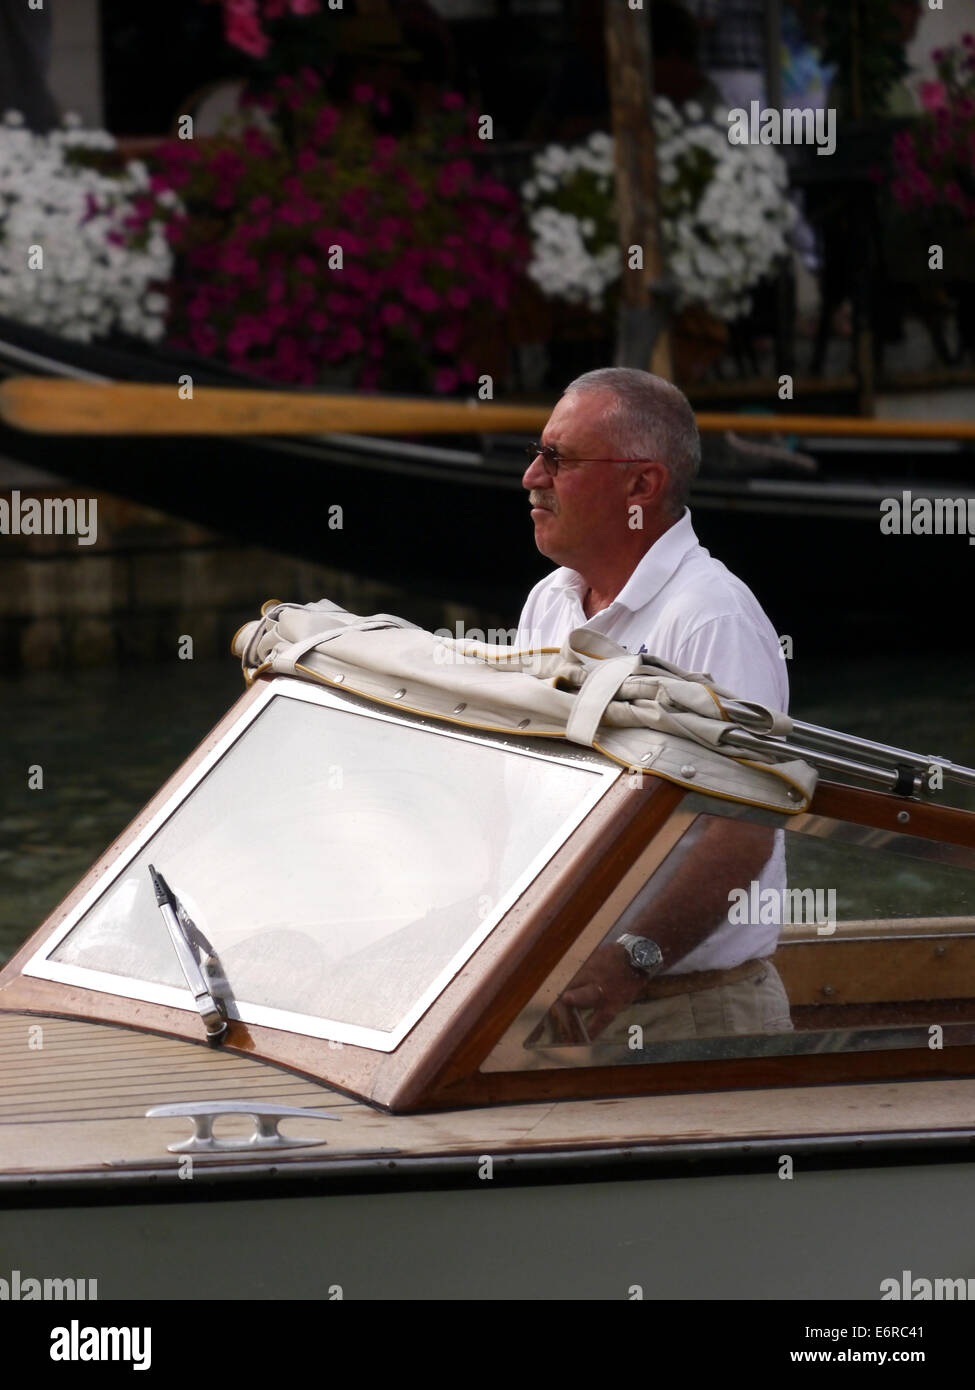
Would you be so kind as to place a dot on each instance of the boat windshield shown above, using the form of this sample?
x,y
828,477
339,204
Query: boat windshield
x,y
341,862
817,936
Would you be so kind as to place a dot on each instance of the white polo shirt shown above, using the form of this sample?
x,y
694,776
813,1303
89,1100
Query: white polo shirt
x,y
684,606
679,604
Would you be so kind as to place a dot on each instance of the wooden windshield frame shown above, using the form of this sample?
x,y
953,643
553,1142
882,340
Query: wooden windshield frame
x,y
437,1065
589,853
461,1083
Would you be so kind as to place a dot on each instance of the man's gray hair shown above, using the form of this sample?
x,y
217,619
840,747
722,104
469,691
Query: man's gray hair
x,y
650,419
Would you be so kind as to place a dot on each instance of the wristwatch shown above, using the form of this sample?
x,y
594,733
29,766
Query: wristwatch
x,y
643,954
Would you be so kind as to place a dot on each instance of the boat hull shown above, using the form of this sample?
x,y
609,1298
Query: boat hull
x,y
826,1233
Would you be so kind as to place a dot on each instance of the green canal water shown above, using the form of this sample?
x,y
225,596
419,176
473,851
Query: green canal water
x,y
106,739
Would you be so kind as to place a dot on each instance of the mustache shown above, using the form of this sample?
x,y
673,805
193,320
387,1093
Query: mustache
x,y
541,499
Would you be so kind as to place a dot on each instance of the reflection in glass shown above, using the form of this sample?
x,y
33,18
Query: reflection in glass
x,y
863,946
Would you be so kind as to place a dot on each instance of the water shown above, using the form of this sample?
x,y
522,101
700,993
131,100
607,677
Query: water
x,y
107,739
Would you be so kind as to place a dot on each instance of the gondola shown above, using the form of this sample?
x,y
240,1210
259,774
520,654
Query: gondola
x,y
302,1030
446,516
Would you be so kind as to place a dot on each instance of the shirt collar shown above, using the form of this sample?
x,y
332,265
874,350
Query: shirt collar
x,y
651,574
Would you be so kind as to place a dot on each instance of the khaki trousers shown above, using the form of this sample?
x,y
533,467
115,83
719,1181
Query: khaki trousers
x,y
756,1004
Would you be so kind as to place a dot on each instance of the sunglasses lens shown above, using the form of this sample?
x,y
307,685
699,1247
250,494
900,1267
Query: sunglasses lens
x,y
550,459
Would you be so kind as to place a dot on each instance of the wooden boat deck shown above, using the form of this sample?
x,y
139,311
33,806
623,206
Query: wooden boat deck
x,y
75,1108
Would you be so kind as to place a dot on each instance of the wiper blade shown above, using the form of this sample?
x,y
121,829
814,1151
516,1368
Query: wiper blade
x,y
182,931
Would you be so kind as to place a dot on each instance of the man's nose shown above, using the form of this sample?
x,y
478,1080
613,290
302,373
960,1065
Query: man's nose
x,y
536,475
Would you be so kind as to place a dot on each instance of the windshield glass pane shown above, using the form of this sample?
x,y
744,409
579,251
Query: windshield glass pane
x,y
340,865
823,936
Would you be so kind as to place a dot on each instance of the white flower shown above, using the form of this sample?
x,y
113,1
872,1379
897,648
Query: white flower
x,y
718,242
87,285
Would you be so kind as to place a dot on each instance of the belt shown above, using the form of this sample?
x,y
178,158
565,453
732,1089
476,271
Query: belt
x,y
663,986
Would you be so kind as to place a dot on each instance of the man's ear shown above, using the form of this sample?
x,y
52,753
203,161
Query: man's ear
x,y
648,485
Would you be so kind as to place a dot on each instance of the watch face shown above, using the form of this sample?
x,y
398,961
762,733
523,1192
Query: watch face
x,y
645,955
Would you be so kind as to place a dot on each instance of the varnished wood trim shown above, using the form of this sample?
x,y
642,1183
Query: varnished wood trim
x,y
513,976
928,821
878,971
753,1073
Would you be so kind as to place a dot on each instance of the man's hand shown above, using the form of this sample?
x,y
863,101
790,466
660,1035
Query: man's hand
x,y
607,984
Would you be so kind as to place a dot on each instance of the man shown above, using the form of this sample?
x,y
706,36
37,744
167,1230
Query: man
x,y
608,487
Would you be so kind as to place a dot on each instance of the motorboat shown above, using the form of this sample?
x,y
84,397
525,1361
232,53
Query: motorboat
x,y
308,1027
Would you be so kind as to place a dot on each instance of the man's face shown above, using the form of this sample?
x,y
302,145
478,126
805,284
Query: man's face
x,y
582,511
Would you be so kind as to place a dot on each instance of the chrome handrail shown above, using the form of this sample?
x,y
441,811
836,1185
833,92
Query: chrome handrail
x,y
894,769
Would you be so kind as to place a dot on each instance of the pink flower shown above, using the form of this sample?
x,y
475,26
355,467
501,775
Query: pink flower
x,y
256,143
444,379
392,314
204,339
933,96
423,297
357,277
452,101
238,340
362,93
245,33
350,339
446,339
325,123
353,204
228,166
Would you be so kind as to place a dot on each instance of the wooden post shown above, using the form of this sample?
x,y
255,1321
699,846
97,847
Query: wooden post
x,y
642,335
785,326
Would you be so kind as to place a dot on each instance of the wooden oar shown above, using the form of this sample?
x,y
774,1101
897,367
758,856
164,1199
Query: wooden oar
x,y
46,406
84,407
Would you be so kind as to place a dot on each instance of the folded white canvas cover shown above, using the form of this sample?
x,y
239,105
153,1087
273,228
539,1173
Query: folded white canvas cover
x,y
637,710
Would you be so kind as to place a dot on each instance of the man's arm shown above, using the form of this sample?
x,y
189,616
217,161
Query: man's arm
x,y
691,905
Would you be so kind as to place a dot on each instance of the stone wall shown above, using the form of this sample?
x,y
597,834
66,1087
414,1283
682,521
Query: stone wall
x,y
151,580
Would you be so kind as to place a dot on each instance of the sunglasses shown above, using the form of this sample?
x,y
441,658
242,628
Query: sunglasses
x,y
552,460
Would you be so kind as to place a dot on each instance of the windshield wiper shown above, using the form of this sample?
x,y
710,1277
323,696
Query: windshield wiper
x,y
182,931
